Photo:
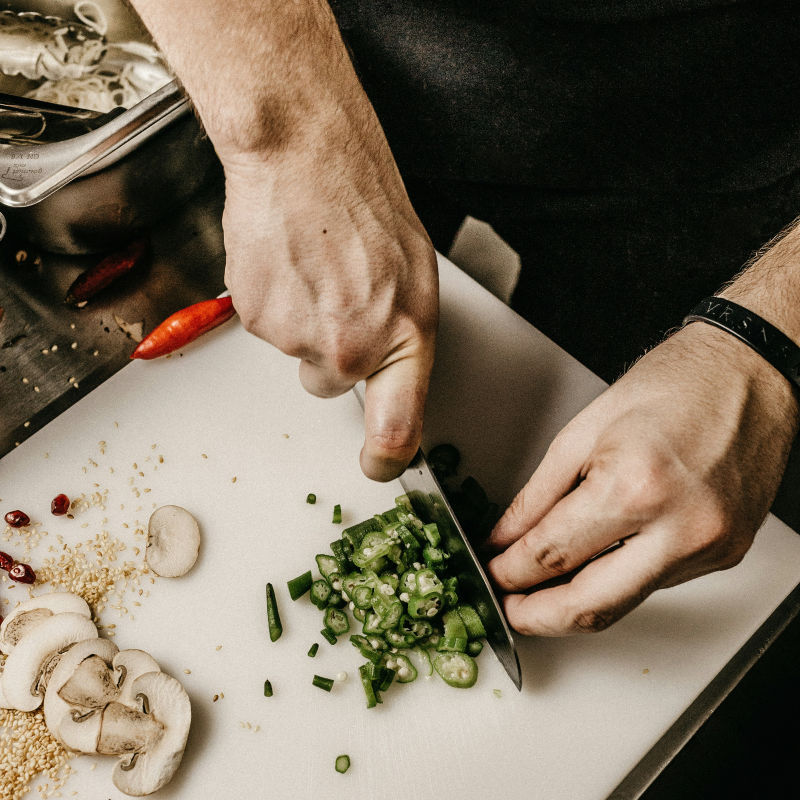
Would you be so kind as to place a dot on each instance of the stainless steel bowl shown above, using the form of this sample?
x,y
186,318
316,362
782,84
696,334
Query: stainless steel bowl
x,y
123,171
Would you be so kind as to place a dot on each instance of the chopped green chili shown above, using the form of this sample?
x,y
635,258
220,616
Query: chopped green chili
x,y
300,585
328,635
457,669
273,617
337,514
391,573
267,689
322,683
312,651
320,593
342,764
336,621
311,498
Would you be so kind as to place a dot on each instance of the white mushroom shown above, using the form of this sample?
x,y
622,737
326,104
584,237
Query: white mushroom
x,y
26,662
127,731
129,665
149,769
92,685
78,727
173,541
34,610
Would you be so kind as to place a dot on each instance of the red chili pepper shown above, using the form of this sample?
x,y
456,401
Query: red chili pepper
x,y
22,573
17,519
6,562
112,267
59,505
185,326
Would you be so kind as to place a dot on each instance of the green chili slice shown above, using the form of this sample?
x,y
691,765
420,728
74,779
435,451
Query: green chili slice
x,y
267,689
457,669
322,683
273,617
300,585
342,764
328,635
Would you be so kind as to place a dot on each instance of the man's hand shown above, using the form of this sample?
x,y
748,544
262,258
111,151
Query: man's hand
x,y
680,459
330,267
326,258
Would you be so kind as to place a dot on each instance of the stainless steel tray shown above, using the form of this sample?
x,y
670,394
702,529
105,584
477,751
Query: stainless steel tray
x,y
32,166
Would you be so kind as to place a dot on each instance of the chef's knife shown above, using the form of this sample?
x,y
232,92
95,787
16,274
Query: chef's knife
x,y
430,503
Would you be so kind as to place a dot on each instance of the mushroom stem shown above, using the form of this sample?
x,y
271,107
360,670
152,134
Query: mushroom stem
x,y
127,766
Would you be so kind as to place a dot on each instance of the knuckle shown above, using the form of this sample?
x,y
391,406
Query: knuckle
x,y
347,360
642,489
395,441
546,555
518,511
714,530
719,541
592,620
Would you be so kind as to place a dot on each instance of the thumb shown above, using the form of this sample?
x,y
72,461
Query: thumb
x,y
394,406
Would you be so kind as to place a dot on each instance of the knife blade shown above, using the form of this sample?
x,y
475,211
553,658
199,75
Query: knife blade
x,y
430,503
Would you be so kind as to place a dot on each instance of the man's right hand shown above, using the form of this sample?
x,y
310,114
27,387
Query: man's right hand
x,y
327,261
326,258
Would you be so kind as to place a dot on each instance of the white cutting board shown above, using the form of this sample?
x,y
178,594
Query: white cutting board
x,y
591,706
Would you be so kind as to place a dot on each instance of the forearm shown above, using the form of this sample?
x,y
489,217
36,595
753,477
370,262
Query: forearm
x,y
261,73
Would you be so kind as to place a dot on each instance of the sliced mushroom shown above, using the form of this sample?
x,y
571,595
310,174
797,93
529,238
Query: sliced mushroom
x,y
126,730
29,613
129,665
76,727
155,765
28,658
92,685
40,686
16,627
173,541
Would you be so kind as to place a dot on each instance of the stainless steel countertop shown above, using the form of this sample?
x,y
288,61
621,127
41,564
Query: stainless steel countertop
x,y
51,354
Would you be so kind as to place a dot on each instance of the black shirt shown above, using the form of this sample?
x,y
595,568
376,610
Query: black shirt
x,y
643,96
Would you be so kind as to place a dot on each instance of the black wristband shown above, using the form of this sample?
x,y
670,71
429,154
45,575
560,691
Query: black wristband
x,y
770,343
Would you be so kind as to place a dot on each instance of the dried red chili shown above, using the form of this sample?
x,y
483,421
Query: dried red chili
x,y
22,573
17,519
93,280
59,505
6,562
185,326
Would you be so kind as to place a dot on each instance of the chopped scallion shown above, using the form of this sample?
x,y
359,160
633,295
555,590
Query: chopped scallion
x,y
267,689
311,498
337,514
312,651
